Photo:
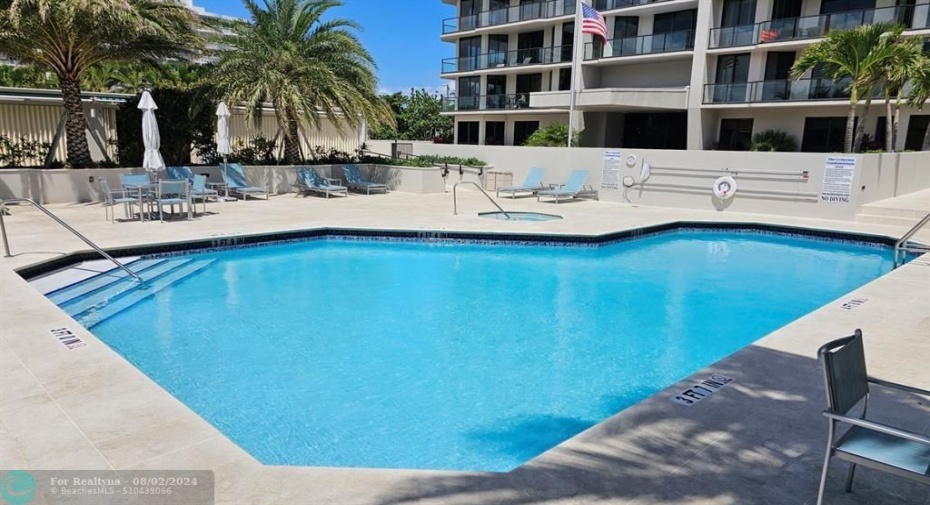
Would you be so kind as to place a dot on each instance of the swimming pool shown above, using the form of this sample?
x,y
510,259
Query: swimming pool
x,y
459,356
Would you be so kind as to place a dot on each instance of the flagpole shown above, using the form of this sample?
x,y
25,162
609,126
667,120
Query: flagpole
x,y
577,56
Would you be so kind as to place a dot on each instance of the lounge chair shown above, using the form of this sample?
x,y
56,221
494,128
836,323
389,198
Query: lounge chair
x,y
309,180
532,184
866,442
234,177
575,187
354,180
179,173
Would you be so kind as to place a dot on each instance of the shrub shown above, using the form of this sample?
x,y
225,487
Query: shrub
x,y
22,152
552,135
773,140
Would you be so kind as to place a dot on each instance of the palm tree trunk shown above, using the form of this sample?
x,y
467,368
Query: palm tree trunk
x,y
850,126
897,119
292,142
76,124
889,123
860,128
926,144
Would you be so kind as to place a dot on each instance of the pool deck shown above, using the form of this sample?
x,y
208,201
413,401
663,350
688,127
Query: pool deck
x,y
758,440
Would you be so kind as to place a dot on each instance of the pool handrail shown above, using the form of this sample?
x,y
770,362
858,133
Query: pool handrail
x,y
455,202
6,242
901,247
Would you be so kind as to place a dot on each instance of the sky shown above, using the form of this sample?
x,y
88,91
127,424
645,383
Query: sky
x,y
402,36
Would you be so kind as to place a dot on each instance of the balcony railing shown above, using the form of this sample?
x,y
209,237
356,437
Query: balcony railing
x,y
812,27
518,58
643,44
606,5
486,102
525,12
782,90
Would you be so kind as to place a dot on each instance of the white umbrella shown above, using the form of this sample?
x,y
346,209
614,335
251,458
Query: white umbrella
x,y
152,161
223,147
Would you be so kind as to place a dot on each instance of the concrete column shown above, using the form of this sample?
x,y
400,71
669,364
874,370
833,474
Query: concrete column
x,y
696,126
482,129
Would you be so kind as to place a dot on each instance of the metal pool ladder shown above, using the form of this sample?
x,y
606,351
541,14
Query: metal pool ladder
x,y
455,202
6,242
901,247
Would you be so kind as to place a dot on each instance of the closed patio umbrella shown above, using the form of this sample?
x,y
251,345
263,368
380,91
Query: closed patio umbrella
x,y
223,146
152,162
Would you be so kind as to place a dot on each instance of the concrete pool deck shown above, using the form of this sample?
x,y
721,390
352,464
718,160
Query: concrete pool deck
x,y
759,440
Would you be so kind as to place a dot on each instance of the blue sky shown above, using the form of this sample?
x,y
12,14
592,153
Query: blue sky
x,y
402,36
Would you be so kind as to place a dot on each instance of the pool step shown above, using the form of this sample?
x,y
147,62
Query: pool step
x,y
100,281
109,290
176,271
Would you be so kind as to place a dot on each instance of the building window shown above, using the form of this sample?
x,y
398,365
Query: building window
x,y
468,132
565,79
674,31
655,130
523,129
735,134
823,134
730,84
916,128
494,133
469,90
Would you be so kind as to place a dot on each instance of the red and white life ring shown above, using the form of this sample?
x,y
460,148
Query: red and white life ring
x,y
725,187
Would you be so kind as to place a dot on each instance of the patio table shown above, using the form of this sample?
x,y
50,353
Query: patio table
x,y
143,191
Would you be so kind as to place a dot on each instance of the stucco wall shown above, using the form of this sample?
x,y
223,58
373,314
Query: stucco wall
x,y
83,185
645,75
877,176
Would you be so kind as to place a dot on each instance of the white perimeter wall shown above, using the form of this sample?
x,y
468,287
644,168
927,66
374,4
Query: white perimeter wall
x,y
877,176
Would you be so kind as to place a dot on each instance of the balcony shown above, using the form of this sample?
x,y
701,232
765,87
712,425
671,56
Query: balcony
x,y
667,98
515,101
525,12
518,58
782,90
913,17
607,5
641,45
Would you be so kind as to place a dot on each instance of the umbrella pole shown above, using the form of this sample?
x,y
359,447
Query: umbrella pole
x,y
226,197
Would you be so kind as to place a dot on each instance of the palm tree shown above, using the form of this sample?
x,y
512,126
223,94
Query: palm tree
x,y
920,93
303,66
901,67
70,36
861,55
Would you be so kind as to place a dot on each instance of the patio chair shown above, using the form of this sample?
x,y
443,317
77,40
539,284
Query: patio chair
x,y
532,184
173,193
200,191
113,197
575,187
134,180
179,173
309,180
354,180
867,443
234,178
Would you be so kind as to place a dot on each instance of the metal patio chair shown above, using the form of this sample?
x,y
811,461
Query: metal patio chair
x,y
867,443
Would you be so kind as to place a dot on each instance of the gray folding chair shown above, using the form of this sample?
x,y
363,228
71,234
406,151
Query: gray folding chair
x,y
867,443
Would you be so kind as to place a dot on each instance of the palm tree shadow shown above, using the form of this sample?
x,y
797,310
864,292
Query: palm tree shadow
x,y
759,440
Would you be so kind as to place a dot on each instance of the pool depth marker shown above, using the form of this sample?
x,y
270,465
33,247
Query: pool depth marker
x,y
701,390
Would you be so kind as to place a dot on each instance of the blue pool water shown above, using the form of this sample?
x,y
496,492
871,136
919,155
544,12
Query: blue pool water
x,y
465,357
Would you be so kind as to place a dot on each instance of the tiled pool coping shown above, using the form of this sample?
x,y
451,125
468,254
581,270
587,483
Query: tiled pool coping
x,y
759,440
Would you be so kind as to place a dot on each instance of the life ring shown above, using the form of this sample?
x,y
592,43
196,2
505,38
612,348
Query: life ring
x,y
725,187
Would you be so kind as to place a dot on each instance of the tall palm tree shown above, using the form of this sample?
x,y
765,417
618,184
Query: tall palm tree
x,y
303,66
901,67
860,54
70,36
920,93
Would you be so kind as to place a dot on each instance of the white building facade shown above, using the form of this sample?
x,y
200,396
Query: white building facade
x,y
674,74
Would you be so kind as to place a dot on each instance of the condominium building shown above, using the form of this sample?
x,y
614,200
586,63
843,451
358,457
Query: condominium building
x,y
674,74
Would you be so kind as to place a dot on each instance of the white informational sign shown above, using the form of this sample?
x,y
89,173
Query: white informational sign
x,y
838,175
610,175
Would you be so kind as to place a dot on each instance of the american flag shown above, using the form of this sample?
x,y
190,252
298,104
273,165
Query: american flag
x,y
592,21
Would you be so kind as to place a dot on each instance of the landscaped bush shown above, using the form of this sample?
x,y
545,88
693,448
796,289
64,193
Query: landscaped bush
x,y
552,135
22,152
774,140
